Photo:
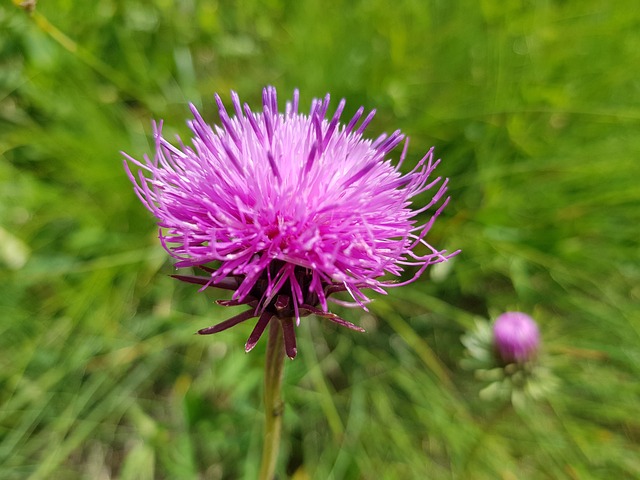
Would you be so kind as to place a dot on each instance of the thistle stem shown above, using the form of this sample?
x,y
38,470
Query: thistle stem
x,y
273,404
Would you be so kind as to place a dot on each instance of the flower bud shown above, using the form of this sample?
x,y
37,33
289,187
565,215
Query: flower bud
x,y
516,337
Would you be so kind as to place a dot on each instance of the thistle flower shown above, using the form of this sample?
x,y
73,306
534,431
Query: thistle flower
x,y
287,209
516,337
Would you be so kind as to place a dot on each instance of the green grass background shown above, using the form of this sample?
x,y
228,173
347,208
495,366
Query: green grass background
x,y
534,107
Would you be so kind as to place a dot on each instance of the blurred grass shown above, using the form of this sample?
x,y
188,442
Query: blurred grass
x,y
534,107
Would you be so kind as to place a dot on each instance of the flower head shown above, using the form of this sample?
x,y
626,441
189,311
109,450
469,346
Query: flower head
x,y
286,209
506,357
516,337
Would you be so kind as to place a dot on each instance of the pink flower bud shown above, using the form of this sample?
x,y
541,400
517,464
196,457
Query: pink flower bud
x,y
516,337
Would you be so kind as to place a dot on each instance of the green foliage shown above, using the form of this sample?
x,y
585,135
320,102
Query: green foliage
x,y
534,107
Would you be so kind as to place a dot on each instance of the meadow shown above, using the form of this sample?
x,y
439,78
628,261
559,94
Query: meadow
x,y
533,107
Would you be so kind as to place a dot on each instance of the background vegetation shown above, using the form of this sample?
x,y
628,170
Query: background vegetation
x,y
534,106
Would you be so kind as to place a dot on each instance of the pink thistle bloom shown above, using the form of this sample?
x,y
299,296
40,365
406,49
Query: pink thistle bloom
x,y
516,337
286,209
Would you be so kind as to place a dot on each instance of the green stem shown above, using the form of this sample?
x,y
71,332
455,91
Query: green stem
x,y
273,404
